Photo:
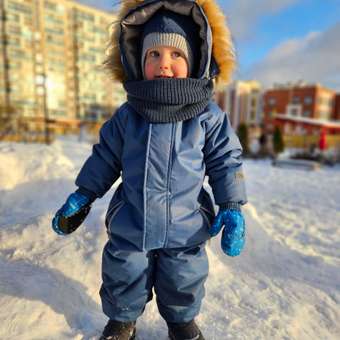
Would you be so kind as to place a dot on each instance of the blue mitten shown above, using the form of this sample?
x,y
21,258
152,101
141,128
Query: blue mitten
x,y
72,214
233,235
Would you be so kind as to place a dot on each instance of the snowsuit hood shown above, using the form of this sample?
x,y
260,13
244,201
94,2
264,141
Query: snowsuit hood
x,y
217,58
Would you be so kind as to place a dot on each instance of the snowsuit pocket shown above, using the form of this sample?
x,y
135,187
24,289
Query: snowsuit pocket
x,y
112,212
206,207
208,217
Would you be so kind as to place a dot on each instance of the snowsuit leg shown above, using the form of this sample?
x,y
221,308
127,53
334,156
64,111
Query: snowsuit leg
x,y
179,282
177,275
127,283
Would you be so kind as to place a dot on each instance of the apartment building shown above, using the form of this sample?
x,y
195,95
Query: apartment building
x,y
299,108
50,61
336,113
242,100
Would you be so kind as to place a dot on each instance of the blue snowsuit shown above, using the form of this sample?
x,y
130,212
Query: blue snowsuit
x,y
158,217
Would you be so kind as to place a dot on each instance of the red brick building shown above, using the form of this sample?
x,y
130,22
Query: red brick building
x,y
336,113
300,109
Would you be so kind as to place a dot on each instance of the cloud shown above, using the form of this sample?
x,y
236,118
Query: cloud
x,y
243,15
313,58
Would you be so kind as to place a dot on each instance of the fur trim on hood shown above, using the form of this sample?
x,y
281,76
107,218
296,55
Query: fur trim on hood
x,y
222,46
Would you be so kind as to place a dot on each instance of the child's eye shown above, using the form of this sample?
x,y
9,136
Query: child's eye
x,y
154,54
176,54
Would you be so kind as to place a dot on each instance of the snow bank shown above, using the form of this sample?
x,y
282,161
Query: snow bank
x,y
284,286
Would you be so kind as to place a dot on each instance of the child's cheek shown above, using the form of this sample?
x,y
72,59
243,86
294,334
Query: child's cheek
x,y
149,71
180,70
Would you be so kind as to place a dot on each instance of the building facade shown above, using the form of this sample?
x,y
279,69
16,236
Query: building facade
x,y
242,100
51,53
336,113
295,104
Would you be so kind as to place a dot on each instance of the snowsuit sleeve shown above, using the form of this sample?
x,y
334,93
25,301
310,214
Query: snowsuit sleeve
x,y
103,167
222,154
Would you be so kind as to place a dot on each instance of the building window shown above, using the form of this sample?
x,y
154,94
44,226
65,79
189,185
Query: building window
x,y
17,54
294,110
14,29
306,113
296,100
54,30
308,100
85,16
272,101
330,103
325,101
50,5
51,40
13,17
323,114
16,6
12,41
52,19
57,112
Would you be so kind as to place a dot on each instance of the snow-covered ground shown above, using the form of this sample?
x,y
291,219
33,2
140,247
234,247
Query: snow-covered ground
x,y
286,284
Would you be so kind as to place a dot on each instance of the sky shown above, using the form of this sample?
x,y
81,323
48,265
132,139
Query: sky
x,y
281,41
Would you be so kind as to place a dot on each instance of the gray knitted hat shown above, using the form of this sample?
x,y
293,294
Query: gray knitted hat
x,y
167,28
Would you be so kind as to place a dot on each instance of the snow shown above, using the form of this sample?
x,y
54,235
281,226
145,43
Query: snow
x,y
285,285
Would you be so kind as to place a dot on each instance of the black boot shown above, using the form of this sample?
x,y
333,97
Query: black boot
x,y
184,331
117,330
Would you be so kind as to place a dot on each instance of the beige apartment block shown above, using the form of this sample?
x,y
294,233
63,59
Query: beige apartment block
x,y
242,100
51,55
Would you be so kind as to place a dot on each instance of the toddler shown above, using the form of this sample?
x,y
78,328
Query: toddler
x,y
163,142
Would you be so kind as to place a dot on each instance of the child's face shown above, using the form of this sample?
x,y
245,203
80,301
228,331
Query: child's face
x,y
165,62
